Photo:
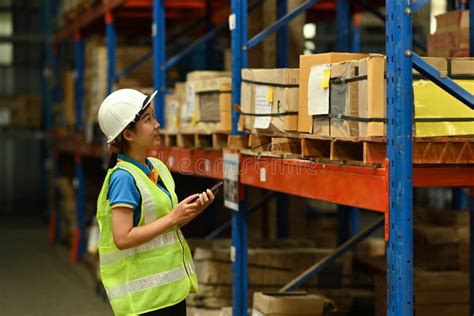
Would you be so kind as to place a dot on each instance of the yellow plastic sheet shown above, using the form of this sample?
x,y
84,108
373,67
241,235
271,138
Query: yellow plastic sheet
x,y
433,102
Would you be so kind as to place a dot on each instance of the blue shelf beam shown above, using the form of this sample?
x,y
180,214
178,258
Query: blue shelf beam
x,y
111,50
471,29
471,249
444,82
328,260
282,36
159,73
238,24
356,33
257,39
78,249
343,26
399,151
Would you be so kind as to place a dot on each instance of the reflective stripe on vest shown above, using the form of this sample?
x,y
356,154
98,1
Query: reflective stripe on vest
x,y
149,282
160,241
149,210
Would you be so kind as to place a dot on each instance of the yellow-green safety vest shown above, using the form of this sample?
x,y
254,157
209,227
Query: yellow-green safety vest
x,y
156,274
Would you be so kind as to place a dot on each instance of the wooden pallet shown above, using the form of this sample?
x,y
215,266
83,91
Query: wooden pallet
x,y
217,140
365,151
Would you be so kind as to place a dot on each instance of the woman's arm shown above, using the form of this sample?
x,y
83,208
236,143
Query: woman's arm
x,y
127,236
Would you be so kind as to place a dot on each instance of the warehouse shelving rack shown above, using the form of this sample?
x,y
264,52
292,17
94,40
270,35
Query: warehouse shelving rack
x,y
386,189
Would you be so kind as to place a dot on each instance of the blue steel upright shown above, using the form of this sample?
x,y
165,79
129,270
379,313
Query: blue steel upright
x,y
159,72
79,181
282,36
471,250
343,26
239,37
399,152
471,191
111,50
471,29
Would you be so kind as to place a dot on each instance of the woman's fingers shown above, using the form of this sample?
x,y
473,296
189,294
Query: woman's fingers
x,y
205,197
210,194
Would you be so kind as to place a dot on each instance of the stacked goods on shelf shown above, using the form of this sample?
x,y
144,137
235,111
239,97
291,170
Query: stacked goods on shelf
x,y
348,99
436,293
433,103
452,35
214,105
67,206
269,269
173,105
269,99
313,101
272,304
95,73
372,92
71,8
207,95
69,100
438,236
24,111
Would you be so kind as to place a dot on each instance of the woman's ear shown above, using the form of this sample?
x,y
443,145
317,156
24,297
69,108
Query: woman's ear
x,y
128,135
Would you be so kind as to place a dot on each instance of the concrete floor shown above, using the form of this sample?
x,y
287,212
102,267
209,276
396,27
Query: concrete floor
x,y
37,278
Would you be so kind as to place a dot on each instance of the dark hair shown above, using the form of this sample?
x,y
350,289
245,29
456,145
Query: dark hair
x,y
122,144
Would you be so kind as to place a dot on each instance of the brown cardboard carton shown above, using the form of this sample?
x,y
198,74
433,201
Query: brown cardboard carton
x,y
305,121
344,99
213,104
291,304
69,100
277,88
189,112
372,99
436,293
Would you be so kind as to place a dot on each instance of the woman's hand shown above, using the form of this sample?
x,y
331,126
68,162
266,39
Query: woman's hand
x,y
185,210
205,199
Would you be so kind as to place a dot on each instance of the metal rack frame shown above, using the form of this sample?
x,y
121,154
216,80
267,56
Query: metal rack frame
x,y
393,182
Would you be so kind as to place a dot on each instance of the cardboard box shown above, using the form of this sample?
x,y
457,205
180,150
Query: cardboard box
x,y
214,103
269,304
451,36
344,99
431,100
305,121
436,248
189,110
452,21
372,99
69,100
270,91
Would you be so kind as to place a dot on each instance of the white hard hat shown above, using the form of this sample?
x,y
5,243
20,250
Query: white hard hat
x,y
121,108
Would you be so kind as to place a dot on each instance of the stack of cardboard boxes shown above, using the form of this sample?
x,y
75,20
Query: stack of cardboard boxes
x,y
23,111
452,35
207,105
269,270
269,101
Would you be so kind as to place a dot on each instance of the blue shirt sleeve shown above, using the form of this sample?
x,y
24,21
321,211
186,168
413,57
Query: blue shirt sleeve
x,y
123,190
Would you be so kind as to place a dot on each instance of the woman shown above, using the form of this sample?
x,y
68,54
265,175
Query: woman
x,y
145,263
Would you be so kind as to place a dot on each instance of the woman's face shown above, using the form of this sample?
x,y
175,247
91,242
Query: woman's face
x,y
146,134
